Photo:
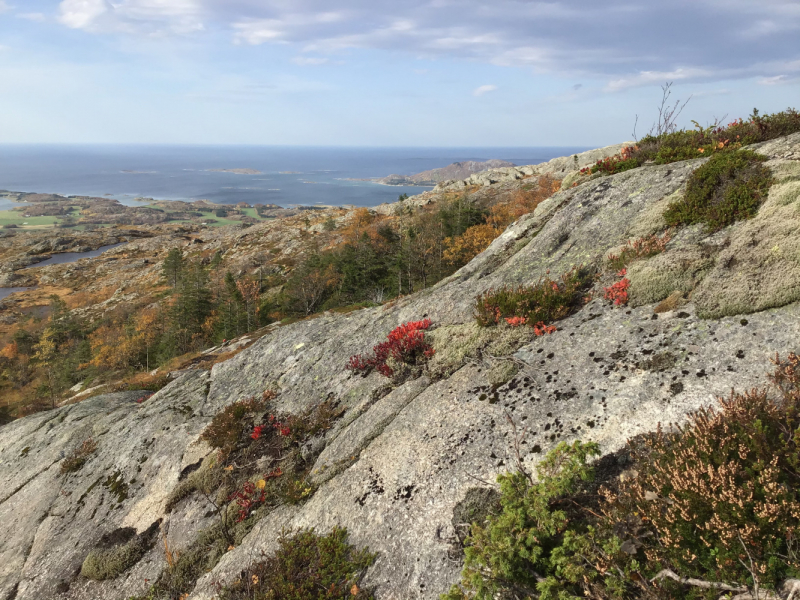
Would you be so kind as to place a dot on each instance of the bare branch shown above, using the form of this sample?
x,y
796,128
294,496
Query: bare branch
x,y
517,452
667,114
708,585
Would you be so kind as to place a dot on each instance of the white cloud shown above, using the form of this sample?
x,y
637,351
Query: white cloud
x,y
628,44
776,80
653,77
4,6
32,16
79,14
484,89
148,17
309,61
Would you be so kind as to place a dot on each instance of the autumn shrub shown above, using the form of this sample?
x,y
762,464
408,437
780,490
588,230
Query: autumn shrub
x,y
404,345
227,427
306,566
690,512
728,188
540,304
78,457
618,292
720,494
614,164
639,248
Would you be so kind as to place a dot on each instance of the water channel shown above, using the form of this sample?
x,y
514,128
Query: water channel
x,y
57,259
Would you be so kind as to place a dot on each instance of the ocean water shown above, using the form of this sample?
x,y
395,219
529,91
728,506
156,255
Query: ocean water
x,y
288,175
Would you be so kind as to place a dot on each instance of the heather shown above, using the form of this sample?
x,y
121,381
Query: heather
x,y
537,305
666,144
728,188
687,511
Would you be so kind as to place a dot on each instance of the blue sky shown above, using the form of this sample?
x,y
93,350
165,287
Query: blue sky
x,y
385,72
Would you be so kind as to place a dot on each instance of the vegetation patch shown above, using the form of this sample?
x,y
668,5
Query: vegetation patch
x,y
639,248
704,509
456,344
728,188
226,428
263,461
537,305
117,552
78,457
669,145
405,349
306,566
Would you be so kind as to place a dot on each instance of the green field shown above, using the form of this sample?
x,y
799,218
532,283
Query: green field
x,y
13,217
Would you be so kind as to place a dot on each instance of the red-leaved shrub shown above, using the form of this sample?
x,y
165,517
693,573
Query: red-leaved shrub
x,y
405,345
618,292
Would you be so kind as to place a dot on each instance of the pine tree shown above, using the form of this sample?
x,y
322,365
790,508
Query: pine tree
x,y
173,267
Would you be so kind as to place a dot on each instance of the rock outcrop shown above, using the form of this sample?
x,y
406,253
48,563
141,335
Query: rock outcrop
x,y
402,457
455,171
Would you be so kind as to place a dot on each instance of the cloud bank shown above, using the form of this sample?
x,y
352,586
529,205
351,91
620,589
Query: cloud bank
x,y
628,43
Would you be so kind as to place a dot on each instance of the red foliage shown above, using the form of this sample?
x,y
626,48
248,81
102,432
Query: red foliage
x,y
618,292
613,164
247,498
282,429
541,329
256,432
515,321
405,344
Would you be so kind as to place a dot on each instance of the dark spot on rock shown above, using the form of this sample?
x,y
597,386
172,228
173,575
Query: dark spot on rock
x,y
188,469
676,388
743,322
683,315
740,354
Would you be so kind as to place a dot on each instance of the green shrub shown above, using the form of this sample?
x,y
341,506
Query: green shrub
x,y
728,188
544,302
513,552
306,566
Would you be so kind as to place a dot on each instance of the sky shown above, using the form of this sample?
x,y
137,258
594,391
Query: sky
x,y
385,72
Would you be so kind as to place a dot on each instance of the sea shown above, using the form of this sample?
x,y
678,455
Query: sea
x,y
286,176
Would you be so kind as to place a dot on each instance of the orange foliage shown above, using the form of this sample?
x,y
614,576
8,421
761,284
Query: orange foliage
x,y
86,298
460,250
10,351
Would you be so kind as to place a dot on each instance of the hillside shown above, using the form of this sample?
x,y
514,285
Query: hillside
x,y
397,458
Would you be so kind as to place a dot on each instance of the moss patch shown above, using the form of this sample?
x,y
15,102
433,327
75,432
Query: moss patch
x,y
760,269
455,344
679,270
304,565
117,552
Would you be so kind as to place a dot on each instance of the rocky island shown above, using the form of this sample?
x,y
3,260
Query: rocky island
x,y
457,170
